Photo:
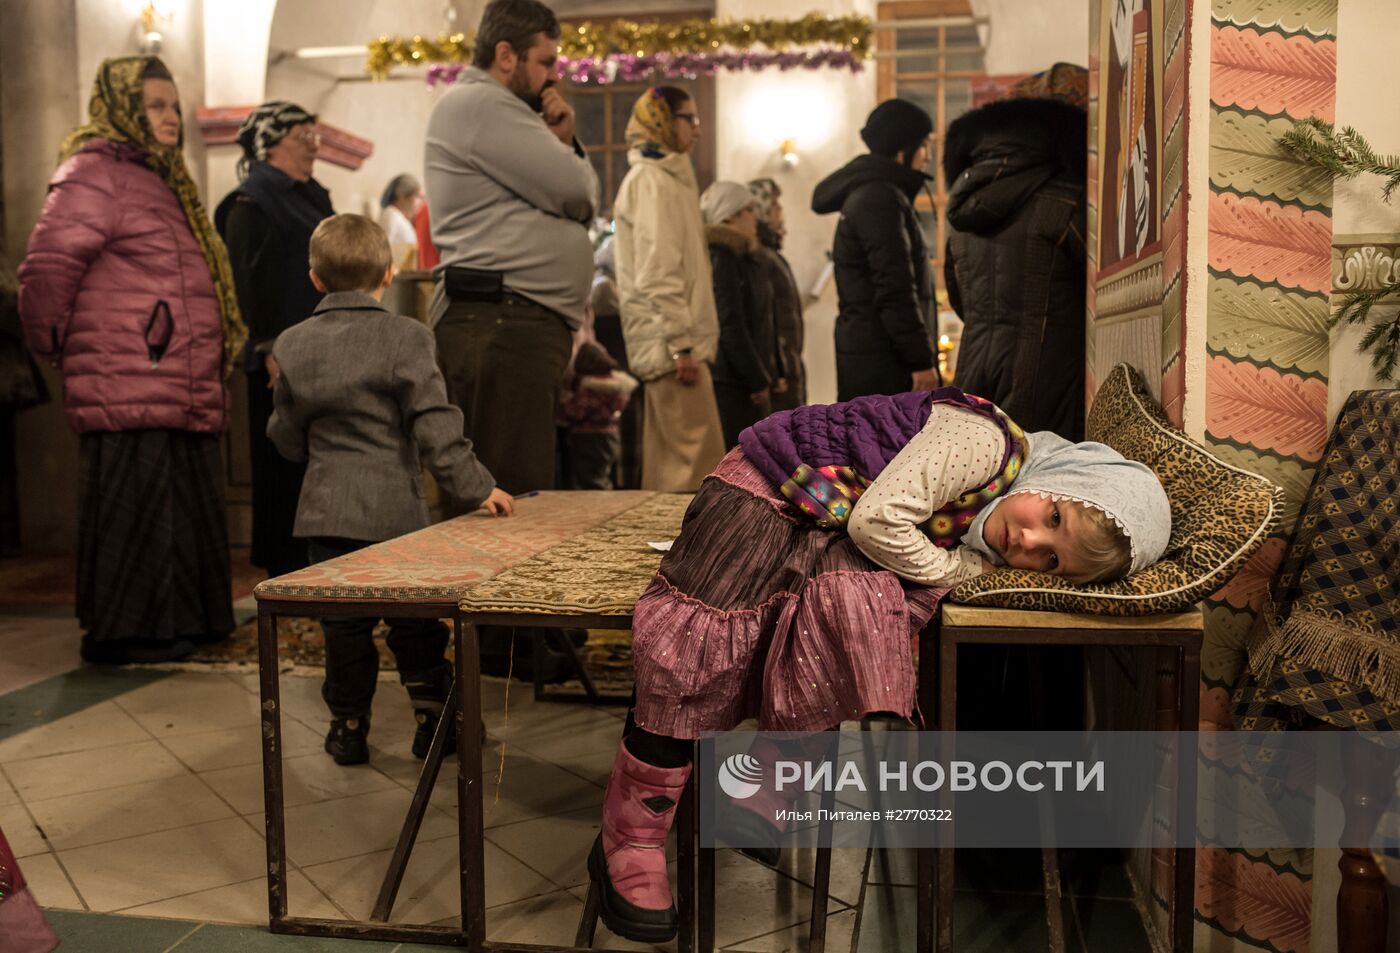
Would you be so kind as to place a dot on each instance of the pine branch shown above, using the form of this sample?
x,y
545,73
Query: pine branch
x,y
1382,338
1343,155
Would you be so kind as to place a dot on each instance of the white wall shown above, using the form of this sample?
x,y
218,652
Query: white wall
x,y
823,111
236,36
1366,31
392,113
40,103
1026,37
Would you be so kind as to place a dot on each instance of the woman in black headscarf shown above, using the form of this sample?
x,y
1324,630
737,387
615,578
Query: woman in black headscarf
x,y
267,224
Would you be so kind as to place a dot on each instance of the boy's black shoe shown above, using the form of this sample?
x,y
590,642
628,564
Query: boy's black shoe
x,y
428,692
423,735
348,740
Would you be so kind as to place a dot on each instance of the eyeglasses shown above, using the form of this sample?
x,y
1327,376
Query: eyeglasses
x,y
691,118
310,138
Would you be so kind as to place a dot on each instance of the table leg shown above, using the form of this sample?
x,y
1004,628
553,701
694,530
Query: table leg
x,y
821,873
705,905
685,861
1363,902
947,725
470,819
1049,855
536,658
271,708
398,863
705,861
926,880
588,920
1183,905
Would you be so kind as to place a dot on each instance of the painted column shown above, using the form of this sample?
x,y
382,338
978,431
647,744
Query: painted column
x,y
1268,281
1210,256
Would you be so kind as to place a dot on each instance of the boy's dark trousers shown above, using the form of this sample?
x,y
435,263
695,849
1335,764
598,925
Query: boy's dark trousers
x,y
352,661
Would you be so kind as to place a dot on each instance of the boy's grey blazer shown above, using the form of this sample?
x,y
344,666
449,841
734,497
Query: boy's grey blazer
x,y
359,397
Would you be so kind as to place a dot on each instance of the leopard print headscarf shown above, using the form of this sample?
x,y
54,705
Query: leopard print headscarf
x,y
266,126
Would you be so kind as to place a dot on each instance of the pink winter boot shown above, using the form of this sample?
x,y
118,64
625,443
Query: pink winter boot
x,y
628,860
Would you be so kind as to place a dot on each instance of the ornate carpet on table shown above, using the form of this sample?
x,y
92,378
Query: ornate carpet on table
x,y
579,553
302,651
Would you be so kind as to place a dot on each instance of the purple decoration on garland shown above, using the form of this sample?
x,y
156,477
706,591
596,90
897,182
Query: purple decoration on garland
x,y
630,68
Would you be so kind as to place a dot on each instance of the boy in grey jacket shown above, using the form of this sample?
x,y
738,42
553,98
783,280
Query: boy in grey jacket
x,y
359,397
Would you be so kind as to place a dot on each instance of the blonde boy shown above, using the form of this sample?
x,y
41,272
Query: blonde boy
x,y
359,397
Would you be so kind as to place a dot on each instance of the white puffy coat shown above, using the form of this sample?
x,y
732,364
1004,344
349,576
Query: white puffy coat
x,y
663,265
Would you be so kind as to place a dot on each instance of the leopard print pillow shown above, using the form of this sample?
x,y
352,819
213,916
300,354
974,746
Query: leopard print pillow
x,y
1221,515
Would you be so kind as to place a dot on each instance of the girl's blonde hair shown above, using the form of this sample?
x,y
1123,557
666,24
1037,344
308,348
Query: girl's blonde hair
x,y
1102,547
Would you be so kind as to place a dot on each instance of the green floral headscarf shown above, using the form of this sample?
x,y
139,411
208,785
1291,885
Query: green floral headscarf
x,y
117,112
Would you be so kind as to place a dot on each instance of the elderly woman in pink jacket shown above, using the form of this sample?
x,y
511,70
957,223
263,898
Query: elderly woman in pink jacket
x,y
126,287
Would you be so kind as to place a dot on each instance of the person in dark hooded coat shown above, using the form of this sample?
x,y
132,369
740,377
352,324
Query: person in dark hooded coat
x,y
1014,267
884,341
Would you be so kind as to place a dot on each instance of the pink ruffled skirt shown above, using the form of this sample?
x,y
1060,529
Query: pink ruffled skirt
x,y
756,612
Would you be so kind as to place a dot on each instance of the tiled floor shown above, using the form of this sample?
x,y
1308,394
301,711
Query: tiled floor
x,y
134,802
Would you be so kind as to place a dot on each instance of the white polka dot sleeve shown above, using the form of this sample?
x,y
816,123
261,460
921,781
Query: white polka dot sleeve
x,y
956,451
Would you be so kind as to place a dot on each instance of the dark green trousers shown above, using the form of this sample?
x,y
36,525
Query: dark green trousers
x,y
503,362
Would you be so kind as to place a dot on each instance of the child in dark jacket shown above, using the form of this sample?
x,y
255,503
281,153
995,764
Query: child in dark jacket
x,y
590,408
359,397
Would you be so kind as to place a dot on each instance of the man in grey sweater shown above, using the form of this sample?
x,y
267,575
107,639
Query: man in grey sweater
x,y
510,193
510,196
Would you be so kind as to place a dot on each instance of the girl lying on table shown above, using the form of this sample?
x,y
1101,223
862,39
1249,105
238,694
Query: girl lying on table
x,y
788,596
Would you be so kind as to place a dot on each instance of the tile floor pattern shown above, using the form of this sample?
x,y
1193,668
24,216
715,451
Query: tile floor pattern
x,y
134,802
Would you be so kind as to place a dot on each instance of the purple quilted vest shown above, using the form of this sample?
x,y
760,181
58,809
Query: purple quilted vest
x,y
864,434
822,456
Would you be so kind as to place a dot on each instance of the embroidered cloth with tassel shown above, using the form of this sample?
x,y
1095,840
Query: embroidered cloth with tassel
x,y
1327,643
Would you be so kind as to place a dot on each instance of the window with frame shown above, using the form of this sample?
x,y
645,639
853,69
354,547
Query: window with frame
x,y
930,53
601,113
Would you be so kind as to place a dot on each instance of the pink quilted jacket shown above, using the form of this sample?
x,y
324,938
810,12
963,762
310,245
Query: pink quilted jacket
x,y
115,289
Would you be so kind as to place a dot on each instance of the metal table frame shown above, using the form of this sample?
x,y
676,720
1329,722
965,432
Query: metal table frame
x,y
463,709
1178,685
271,710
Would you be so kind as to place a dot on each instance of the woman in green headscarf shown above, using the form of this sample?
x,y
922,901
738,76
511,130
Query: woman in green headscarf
x,y
126,287
665,294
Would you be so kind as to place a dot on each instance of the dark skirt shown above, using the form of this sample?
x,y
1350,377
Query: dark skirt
x,y
153,559
757,612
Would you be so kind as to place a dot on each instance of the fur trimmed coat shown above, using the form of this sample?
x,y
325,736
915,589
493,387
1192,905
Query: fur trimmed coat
x,y
747,356
1014,267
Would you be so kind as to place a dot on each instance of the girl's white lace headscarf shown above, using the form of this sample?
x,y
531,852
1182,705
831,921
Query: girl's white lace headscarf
x,y
1096,475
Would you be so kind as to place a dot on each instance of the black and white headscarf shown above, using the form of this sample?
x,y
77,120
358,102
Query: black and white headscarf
x,y
266,126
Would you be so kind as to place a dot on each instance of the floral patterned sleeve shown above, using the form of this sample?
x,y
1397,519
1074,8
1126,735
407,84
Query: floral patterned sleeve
x,y
956,451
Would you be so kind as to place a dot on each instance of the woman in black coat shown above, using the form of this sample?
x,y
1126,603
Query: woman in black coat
x,y
267,223
746,366
884,329
1014,268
